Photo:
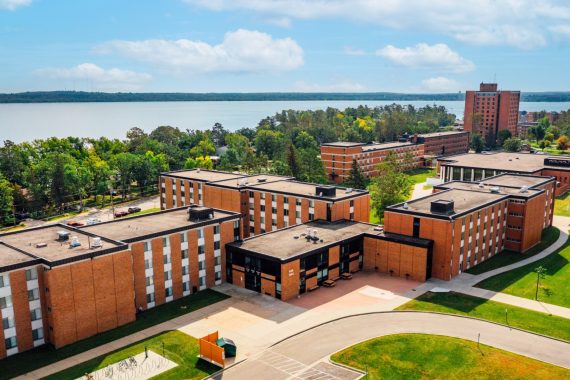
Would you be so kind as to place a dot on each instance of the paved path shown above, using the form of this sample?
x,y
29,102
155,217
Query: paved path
x,y
291,357
419,190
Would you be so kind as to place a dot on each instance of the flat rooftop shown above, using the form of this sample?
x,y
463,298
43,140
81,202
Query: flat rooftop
x,y
445,133
250,180
27,240
516,162
11,256
486,188
204,175
387,145
464,200
346,144
303,189
160,222
291,242
517,180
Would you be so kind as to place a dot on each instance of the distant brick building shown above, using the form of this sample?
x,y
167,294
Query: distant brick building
x,y
489,111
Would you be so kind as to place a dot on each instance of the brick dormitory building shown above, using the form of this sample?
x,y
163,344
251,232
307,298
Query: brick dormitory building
x,y
338,156
270,234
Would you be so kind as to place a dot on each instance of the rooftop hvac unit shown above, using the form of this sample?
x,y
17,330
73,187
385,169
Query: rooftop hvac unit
x,y
442,206
262,180
62,235
326,191
481,185
405,206
495,189
74,242
96,243
198,170
524,189
348,190
196,214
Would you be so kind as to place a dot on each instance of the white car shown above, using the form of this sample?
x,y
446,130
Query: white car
x,y
92,221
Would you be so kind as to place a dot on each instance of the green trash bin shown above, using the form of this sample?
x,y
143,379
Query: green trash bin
x,y
230,349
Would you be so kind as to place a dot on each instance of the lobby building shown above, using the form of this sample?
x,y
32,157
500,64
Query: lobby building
x,y
478,166
265,202
338,156
59,285
489,110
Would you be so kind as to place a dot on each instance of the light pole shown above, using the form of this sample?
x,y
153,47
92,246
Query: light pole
x,y
540,273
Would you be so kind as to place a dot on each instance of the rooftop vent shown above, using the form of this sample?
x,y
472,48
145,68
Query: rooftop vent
x,y
481,185
41,245
62,235
198,170
196,214
261,180
96,243
442,206
405,206
348,190
495,189
326,191
74,242
524,189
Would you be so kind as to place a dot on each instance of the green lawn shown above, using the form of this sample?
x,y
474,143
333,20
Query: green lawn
x,y
549,236
143,212
178,347
521,282
462,304
423,356
45,355
562,205
421,175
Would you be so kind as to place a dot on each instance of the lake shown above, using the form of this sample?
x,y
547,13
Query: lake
x,y
21,122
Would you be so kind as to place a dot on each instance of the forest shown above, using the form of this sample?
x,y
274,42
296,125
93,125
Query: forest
x,y
47,177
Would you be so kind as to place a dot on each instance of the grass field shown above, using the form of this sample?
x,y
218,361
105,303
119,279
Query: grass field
x,y
562,205
462,304
45,355
422,356
521,282
549,236
143,212
178,347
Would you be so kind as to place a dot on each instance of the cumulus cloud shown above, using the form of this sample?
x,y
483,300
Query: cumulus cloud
x,y
240,51
340,86
349,50
100,78
440,84
13,4
424,55
520,23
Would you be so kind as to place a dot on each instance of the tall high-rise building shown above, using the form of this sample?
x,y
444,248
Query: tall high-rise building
x,y
489,111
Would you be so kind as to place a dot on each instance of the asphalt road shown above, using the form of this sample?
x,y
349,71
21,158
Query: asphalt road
x,y
310,347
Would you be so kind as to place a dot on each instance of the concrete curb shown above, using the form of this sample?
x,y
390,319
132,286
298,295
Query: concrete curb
x,y
220,371
362,373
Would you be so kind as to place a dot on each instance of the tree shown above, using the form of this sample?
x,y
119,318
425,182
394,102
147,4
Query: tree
x,y
391,185
477,143
269,143
78,178
218,134
292,162
490,140
540,274
355,178
512,145
503,135
204,148
6,202
124,165
562,143
204,162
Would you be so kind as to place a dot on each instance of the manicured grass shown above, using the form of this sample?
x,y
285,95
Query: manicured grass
x,y
421,175
178,347
143,212
423,356
562,205
521,282
45,355
549,236
462,304
374,219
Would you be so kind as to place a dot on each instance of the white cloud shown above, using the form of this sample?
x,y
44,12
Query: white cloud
x,y
340,86
427,56
441,84
282,22
561,31
520,23
240,51
349,50
13,4
101,79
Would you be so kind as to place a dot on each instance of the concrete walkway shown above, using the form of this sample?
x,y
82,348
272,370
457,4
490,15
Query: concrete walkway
x,y
305,350
419,190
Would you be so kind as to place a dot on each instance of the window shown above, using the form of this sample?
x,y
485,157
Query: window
x,y
35,314
184,253
202,281
216,245
201,250
31,274
149,281
147,246
147,264
201,265
286,212
298,214
38,334
11,343
262,208
183,238
166,259
251,194
311,203
285,200
218,260
150,298
218,276
297,202
3,281
273,210
216,229
200,233
168,292
273,198
165,242
33,294
262,195
185,270
5,302
7,322
185,286
167,275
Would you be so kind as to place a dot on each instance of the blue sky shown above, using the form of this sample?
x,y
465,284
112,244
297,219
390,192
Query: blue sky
x,y
283,45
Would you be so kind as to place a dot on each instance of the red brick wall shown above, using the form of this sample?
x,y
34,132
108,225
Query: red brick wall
x,y
21,309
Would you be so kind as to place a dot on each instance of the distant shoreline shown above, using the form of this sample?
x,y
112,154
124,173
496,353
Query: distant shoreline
x,y
103,97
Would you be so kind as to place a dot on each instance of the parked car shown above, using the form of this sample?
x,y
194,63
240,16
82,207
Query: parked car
x,y
92,221
121,213
134,209
75,223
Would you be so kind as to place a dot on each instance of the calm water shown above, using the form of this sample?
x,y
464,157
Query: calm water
x,y
20,122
